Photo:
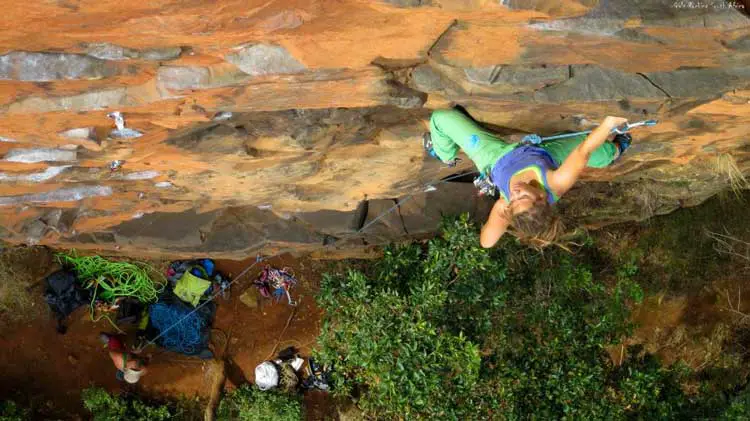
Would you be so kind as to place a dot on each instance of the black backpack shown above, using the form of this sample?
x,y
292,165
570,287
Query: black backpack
x,y
64,295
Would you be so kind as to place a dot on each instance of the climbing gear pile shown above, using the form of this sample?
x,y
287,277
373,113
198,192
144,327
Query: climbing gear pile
x,y
201,275
276,282
318,377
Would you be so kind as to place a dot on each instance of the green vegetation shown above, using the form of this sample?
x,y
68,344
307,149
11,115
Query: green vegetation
x,y
9,411
248,403
448,330
107,407
244,404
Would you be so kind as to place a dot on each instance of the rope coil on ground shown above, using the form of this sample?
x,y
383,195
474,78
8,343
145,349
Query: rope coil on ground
x,y
185,330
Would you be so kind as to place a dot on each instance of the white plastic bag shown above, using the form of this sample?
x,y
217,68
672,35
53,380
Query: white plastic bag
x,y
266,376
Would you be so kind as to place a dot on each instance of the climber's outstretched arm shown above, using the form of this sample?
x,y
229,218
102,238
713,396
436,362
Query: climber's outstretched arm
x,y
496,225
562,179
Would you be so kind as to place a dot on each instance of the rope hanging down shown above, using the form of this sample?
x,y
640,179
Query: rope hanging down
x,y
425,188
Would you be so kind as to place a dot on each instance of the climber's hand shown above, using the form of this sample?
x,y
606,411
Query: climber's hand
x,y
611,122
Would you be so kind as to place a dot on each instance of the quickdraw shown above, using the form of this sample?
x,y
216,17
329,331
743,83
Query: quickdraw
x,y
535,139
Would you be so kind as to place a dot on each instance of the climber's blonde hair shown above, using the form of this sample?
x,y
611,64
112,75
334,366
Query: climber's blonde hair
x,y
538,227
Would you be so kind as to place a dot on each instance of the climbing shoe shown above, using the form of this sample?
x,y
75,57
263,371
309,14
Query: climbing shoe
x,y
427,144
623,143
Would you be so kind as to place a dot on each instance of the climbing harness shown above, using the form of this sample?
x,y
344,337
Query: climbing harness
x,y
485,186
276,282
535,139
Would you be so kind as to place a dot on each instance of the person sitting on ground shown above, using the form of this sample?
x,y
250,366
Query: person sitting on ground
x,y
529,178
130,367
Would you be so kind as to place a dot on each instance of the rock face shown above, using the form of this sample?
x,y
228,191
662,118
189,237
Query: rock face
x,y
296,124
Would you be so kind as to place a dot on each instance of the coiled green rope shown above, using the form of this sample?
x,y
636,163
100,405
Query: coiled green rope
x,y
116,279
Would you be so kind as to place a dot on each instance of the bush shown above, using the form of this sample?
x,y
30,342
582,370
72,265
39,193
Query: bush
x,y
388,336
739,407
106,407
405,339
9,411
248,403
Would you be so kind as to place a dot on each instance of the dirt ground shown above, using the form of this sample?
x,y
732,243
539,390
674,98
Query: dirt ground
x,y
39,364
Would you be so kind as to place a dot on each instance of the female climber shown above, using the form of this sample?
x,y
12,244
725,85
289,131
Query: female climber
x,y
529,178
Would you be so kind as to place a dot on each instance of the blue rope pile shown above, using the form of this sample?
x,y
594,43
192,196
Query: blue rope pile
x,y
181,332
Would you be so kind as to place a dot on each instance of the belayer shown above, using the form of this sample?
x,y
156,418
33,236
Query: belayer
x,y
529,178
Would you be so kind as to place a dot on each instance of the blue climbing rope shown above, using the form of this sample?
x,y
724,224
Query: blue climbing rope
x,y
180,329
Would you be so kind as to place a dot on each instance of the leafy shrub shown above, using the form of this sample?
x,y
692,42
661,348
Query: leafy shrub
x,y
248,403
739,407
9,411
405,339
106,407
